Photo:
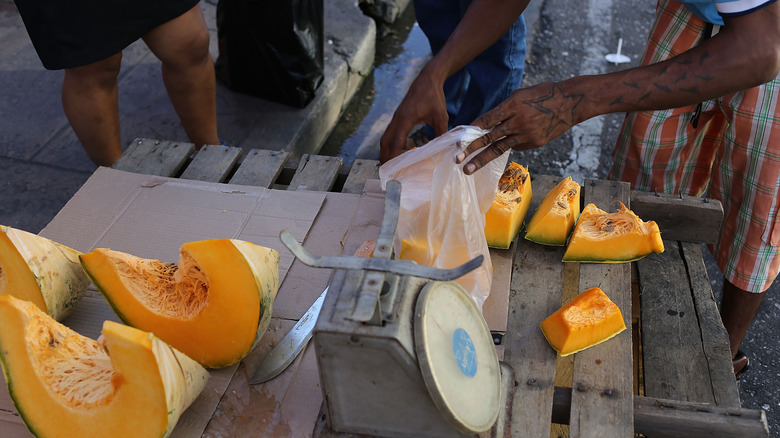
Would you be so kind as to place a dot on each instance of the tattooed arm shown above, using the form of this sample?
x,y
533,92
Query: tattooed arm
x,y
745,53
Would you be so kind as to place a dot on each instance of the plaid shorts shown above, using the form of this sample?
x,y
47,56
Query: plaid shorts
x,y
733,155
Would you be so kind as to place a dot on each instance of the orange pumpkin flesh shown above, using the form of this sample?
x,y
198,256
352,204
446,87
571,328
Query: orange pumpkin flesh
x,y
63,384
612,237
416,251
554,219
589,319
505,216
214,305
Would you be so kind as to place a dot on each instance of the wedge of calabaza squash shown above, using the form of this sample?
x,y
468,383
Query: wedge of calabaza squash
x,y
612,237
417,250
507,212
214,305
589,319
554,219
40,270
127,384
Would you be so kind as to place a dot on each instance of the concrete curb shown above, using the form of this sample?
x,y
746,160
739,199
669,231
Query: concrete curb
x,y
249,122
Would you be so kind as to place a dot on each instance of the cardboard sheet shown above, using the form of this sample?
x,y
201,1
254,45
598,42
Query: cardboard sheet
x,y
151,217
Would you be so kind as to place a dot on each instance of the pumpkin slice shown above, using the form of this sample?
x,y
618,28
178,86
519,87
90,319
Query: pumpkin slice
x,y
556,215
505,216
612,237
589,319
40,270
214,305
416,251
130,384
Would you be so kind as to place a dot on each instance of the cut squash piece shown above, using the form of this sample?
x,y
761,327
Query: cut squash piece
x,y
556,215
589,319
416,251
130,384
612,237
505,216
41,271
214,305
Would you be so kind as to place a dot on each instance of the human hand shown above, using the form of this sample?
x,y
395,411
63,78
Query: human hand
x,y
528,119
423,103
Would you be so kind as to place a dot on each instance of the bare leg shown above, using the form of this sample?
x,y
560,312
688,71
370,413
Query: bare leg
x,y
89,98
738,308
182,45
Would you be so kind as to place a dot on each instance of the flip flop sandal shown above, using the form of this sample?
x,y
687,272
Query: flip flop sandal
x,y
740,358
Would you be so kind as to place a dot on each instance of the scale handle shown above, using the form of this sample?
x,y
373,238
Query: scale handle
x,y
399,267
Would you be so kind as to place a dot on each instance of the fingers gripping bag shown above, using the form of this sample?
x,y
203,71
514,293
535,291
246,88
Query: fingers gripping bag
x,y
441,221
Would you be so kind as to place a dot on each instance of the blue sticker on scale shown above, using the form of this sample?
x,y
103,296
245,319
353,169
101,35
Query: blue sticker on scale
x,y
465,353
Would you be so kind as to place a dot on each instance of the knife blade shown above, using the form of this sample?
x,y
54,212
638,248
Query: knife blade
x,y
283,353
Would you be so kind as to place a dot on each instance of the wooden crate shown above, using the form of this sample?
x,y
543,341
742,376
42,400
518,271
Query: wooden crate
x,y
615,389
669,376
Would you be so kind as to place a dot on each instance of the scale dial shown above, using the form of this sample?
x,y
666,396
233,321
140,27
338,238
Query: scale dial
x,y
457,356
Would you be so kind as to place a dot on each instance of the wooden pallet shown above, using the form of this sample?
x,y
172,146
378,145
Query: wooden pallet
x,y
671,376
256,167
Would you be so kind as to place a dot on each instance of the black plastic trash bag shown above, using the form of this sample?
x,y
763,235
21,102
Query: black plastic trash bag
x,y
271,49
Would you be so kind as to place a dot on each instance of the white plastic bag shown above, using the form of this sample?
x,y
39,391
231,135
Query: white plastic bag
x,y
442,218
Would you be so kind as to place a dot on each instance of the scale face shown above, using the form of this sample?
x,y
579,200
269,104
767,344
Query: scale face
x,y
457,357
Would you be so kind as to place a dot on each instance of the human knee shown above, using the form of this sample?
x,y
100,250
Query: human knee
x,y
191,49
102,73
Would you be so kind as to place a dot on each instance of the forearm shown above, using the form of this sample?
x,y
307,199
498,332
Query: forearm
x,y
483,24
745,53
739,57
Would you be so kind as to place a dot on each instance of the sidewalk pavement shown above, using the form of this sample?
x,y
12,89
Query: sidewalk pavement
x,y
43,164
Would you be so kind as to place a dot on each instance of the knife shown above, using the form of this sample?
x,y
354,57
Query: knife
x,y
282,355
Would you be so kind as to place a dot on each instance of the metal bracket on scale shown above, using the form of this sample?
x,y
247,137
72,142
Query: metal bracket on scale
x,y
367,308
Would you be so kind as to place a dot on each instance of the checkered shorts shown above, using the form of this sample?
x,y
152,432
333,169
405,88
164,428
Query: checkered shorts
x,y
733,156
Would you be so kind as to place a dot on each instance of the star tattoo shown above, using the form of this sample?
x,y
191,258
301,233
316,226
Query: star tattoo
x,y
541,104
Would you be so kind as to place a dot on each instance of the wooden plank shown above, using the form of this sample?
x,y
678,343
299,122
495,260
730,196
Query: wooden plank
x,y
496,306
536,286
675,365
714,337
564,365
673,418
660,418
154,157
316,173
602,379
212,163
678,217
360,171
260,168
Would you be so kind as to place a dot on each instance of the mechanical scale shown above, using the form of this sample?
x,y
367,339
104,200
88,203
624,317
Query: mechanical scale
x,y
402,349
